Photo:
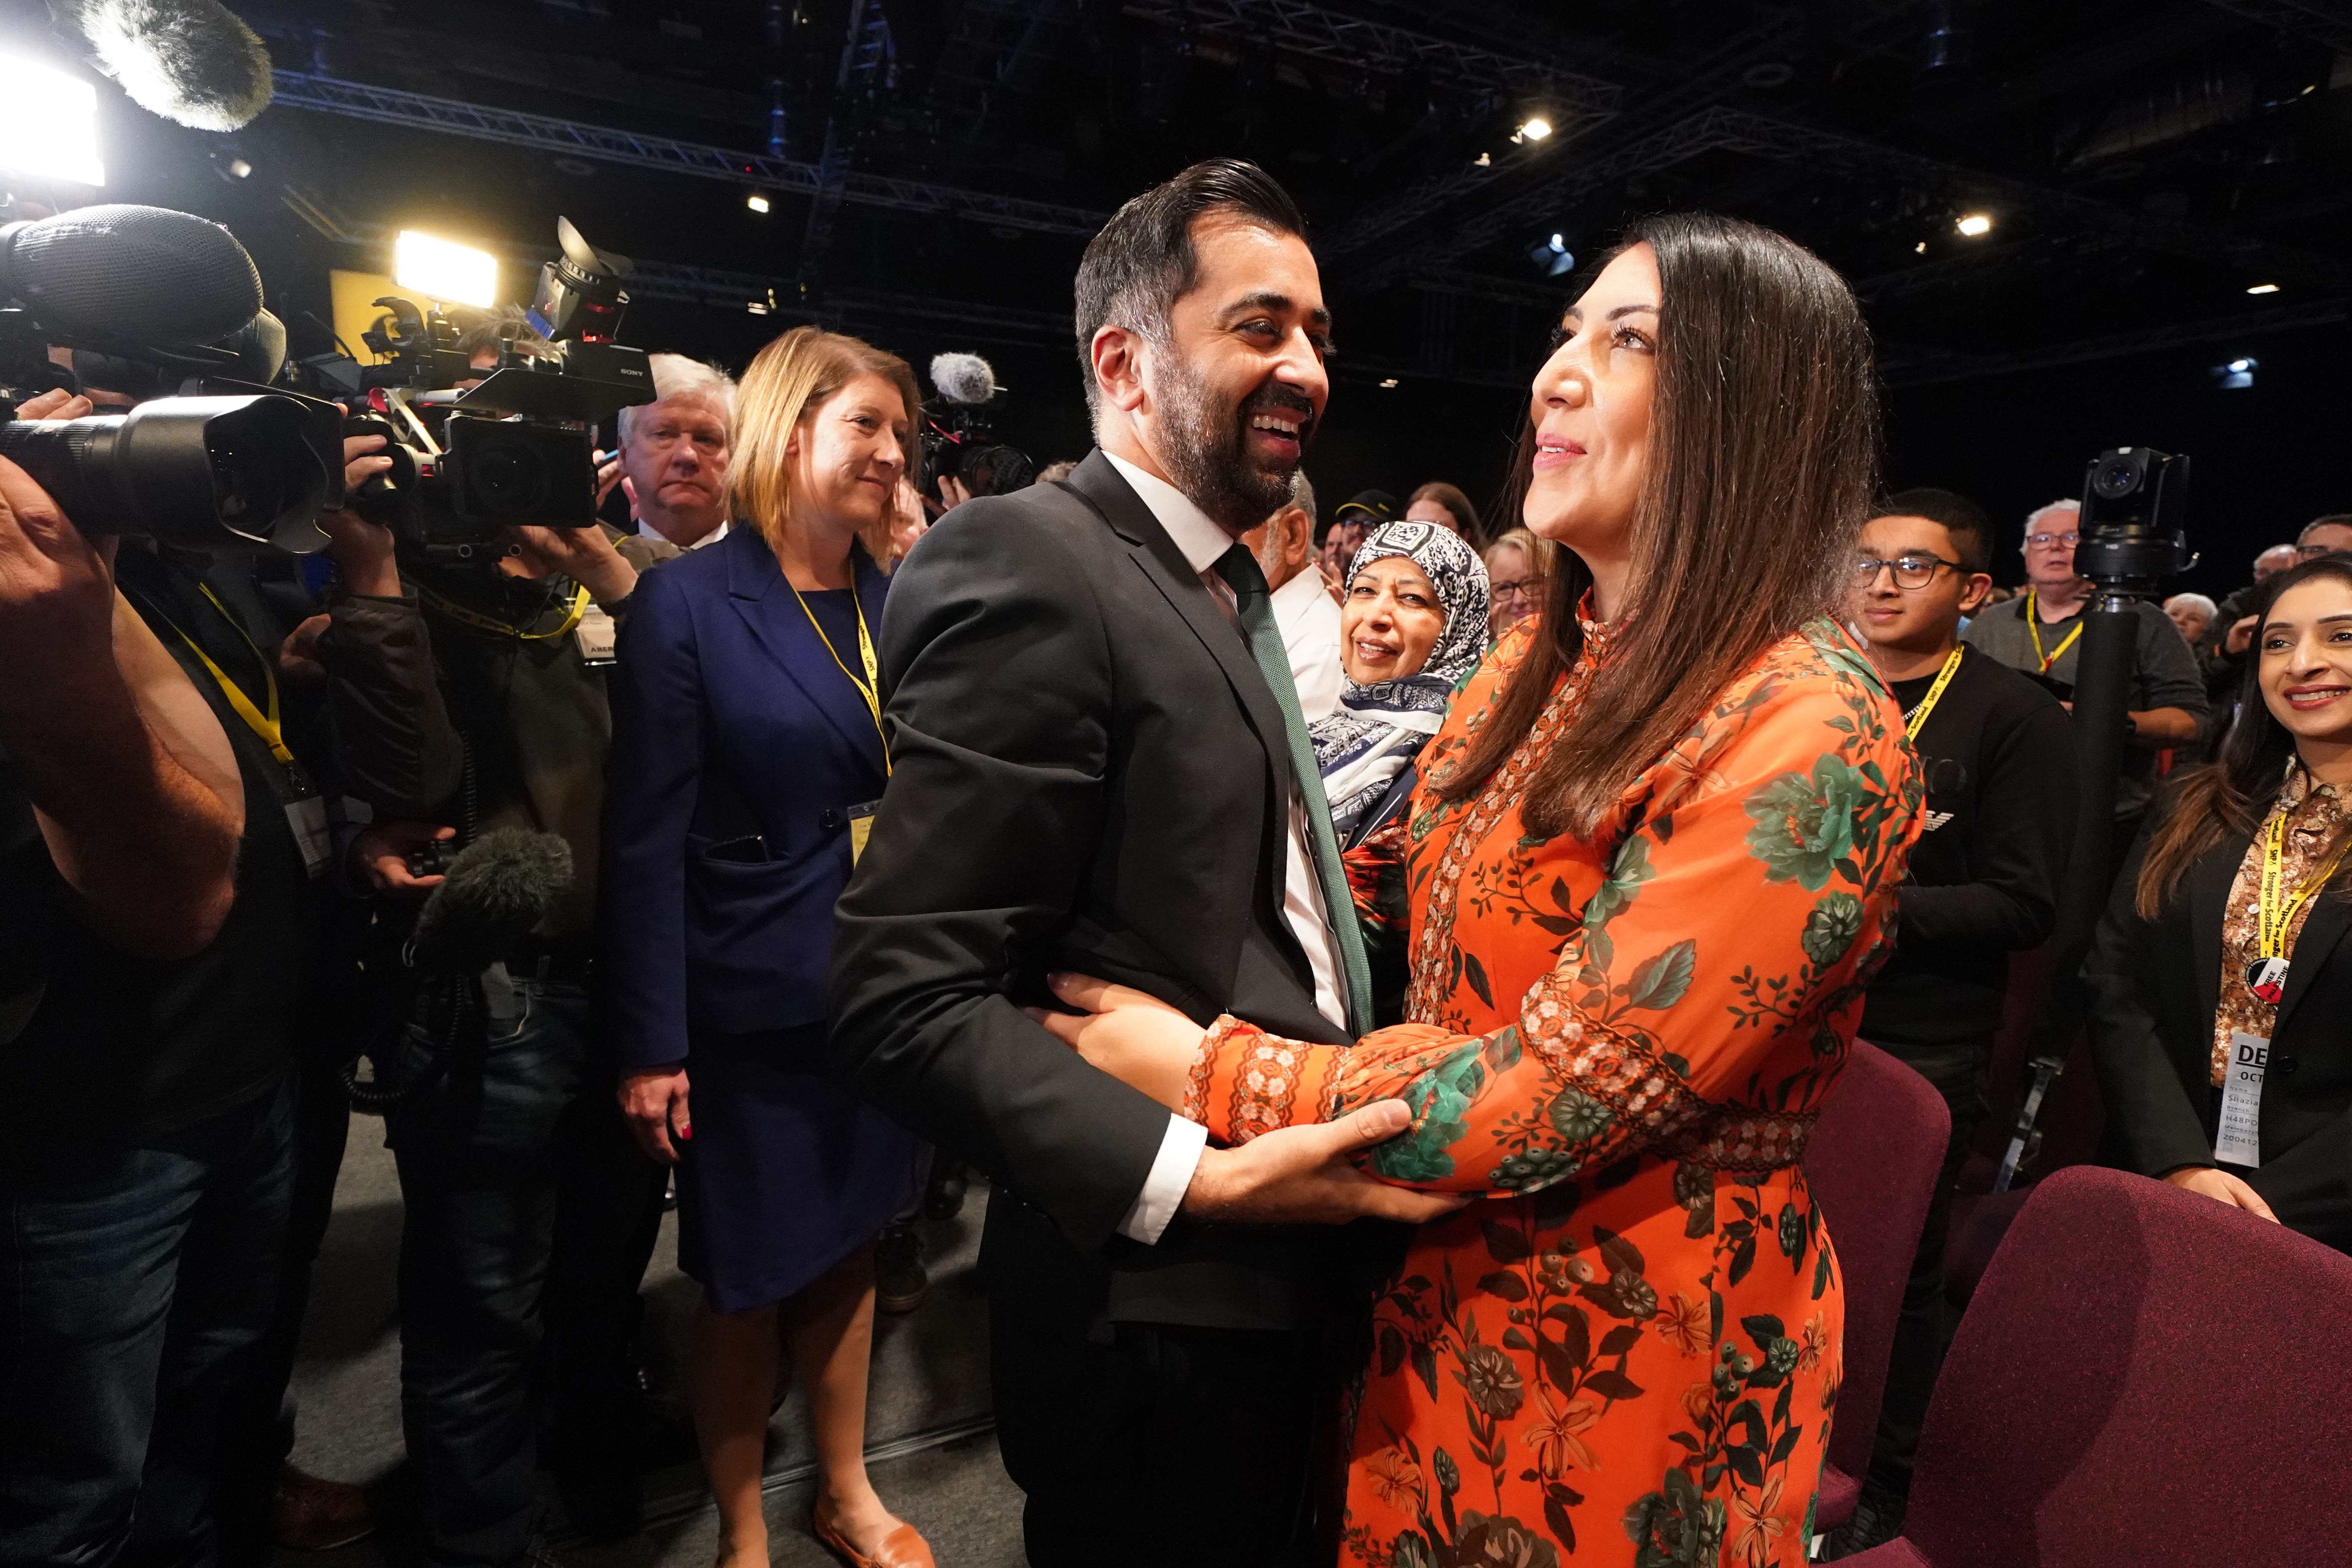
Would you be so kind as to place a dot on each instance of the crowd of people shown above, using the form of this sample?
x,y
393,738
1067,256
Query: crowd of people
x,y
1387,964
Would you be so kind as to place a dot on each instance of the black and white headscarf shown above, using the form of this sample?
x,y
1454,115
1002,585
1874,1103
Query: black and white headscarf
x,y
1365,743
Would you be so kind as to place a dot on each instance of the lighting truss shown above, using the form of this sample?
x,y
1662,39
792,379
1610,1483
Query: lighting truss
x,y
2318,20
389,105
1319,33
1910,366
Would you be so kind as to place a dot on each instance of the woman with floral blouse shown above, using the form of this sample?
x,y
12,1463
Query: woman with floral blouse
x,y
1651,867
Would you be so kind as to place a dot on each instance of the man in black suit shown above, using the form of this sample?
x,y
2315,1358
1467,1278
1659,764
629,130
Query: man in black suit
x,y
1096,768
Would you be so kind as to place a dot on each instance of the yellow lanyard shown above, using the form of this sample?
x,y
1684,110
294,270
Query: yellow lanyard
x,y
1918,718
868,687
266,725
458,613
2033,626
2274,915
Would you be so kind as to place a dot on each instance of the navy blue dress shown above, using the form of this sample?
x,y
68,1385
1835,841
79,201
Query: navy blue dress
x,y
739,744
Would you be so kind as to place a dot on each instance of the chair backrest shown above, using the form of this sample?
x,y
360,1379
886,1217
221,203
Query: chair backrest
x,y
1871,1163
2144,1376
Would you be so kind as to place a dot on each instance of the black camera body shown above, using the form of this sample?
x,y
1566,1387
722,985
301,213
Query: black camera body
x,y
959,439
2134,523
516,446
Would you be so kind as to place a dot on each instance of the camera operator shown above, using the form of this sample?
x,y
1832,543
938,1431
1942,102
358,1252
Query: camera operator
x,y
468,698
2042,633
155,899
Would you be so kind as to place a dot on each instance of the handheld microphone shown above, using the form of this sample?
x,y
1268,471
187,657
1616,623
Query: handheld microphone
x,y
130,274
189,60
495,892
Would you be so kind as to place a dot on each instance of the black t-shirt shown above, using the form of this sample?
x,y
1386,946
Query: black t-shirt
x,y
1998,759
114,1050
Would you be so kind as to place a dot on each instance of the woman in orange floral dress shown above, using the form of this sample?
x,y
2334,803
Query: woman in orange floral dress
x,y
1649,872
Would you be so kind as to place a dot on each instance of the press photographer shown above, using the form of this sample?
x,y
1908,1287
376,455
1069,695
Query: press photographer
x,y
466,669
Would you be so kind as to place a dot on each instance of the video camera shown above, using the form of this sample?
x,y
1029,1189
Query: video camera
x,y
959,432
151,299
512,447
2134,524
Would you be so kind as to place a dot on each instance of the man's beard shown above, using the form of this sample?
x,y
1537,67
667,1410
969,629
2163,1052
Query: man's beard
x,y
1207,447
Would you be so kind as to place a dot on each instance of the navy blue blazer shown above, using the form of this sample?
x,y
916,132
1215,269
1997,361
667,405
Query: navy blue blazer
x,y
736,744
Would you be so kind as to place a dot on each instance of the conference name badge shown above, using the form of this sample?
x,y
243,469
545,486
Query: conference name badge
x,y
861,828
599,635
2240,1137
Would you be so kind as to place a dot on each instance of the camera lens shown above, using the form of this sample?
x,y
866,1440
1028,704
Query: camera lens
x,y
507,479
2118,479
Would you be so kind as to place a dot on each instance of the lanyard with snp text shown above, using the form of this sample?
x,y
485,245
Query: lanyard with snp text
x,y
2274,913
577,611
2033,628
264,723
870,689
1916,720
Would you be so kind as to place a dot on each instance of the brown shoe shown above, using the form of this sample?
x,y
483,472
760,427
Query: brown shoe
x,y
902,1548
315,1515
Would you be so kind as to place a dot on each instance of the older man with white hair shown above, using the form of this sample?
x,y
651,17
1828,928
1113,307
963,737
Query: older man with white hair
x,y
672,458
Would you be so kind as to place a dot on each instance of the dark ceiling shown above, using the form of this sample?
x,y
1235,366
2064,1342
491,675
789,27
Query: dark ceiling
x,y
934,166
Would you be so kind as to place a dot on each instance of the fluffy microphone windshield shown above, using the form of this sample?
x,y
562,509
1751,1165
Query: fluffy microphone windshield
x,y
496,889
134,274
188,60
963,378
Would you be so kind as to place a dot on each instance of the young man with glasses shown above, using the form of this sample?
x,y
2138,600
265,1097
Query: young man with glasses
x,y
2042,634
1996,755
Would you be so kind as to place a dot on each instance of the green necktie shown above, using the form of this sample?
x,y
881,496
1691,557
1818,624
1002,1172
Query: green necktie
x,y
1239,568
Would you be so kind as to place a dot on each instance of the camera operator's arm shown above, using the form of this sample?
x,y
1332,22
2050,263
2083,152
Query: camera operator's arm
x,y
583,554
130,776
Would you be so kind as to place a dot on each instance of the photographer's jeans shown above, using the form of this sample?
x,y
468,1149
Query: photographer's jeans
x,y
483,1161
134,1286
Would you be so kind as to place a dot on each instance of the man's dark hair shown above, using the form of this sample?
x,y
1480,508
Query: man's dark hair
x,y
1965,521
2333,520
1142,262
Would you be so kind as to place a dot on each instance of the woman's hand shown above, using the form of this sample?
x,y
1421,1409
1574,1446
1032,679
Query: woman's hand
x,y
2221,1187
1138,1039
654,1100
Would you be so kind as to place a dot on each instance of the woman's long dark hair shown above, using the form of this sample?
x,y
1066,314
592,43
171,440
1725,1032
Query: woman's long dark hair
x,y
2231,795
1763,460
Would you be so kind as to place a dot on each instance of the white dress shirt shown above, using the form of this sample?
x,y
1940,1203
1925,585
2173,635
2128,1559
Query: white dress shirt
x,y
1310,620
647,531
1201,542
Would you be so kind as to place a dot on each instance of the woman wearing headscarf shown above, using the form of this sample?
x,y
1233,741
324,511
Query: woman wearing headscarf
x,y
1411,624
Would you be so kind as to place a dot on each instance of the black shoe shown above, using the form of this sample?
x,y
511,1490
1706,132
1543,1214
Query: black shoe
x,y
1877,1520
602,1500
900,1281
944,1198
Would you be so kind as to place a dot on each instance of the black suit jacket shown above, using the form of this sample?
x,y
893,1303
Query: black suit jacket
x,y
1089,772
2155,986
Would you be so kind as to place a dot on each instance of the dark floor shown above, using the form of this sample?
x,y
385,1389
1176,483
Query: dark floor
x,y
932,1451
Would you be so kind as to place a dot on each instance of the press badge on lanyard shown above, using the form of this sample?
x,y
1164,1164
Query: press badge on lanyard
x,y
860,818
599,635
306,809
2238,1141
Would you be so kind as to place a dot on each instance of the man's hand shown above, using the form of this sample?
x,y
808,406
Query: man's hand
x,y
2241,636
54,403
2221,1187
951,495
56,597
298,663
379,856
1301,1175
654,1100
583,554
361,551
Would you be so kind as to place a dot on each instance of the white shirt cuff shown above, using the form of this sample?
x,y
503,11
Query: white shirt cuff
x,y
1164,1187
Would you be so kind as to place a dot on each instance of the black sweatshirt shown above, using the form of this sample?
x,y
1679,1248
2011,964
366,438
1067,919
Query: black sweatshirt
x,y
1998,756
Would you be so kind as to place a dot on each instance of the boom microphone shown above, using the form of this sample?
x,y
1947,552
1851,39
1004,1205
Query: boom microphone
x,y
496,889
963,378
130,274
189,60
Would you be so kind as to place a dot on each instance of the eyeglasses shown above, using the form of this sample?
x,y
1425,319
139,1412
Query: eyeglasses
x,y
2044,541
1525,588
1910,570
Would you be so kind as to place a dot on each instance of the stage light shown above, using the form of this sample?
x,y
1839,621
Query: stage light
x,y
1534,128
757,202
756,308
2239,366
441,270
1559,245
49,123
1921,248
2237,375
2262,287
1975,224
240,168
1390,382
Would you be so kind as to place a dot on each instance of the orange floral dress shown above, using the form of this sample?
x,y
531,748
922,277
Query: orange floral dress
x,y
1621,1042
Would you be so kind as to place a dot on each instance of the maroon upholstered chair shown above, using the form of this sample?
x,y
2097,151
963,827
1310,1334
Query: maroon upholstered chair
x,y
1872,1164
2146,1377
